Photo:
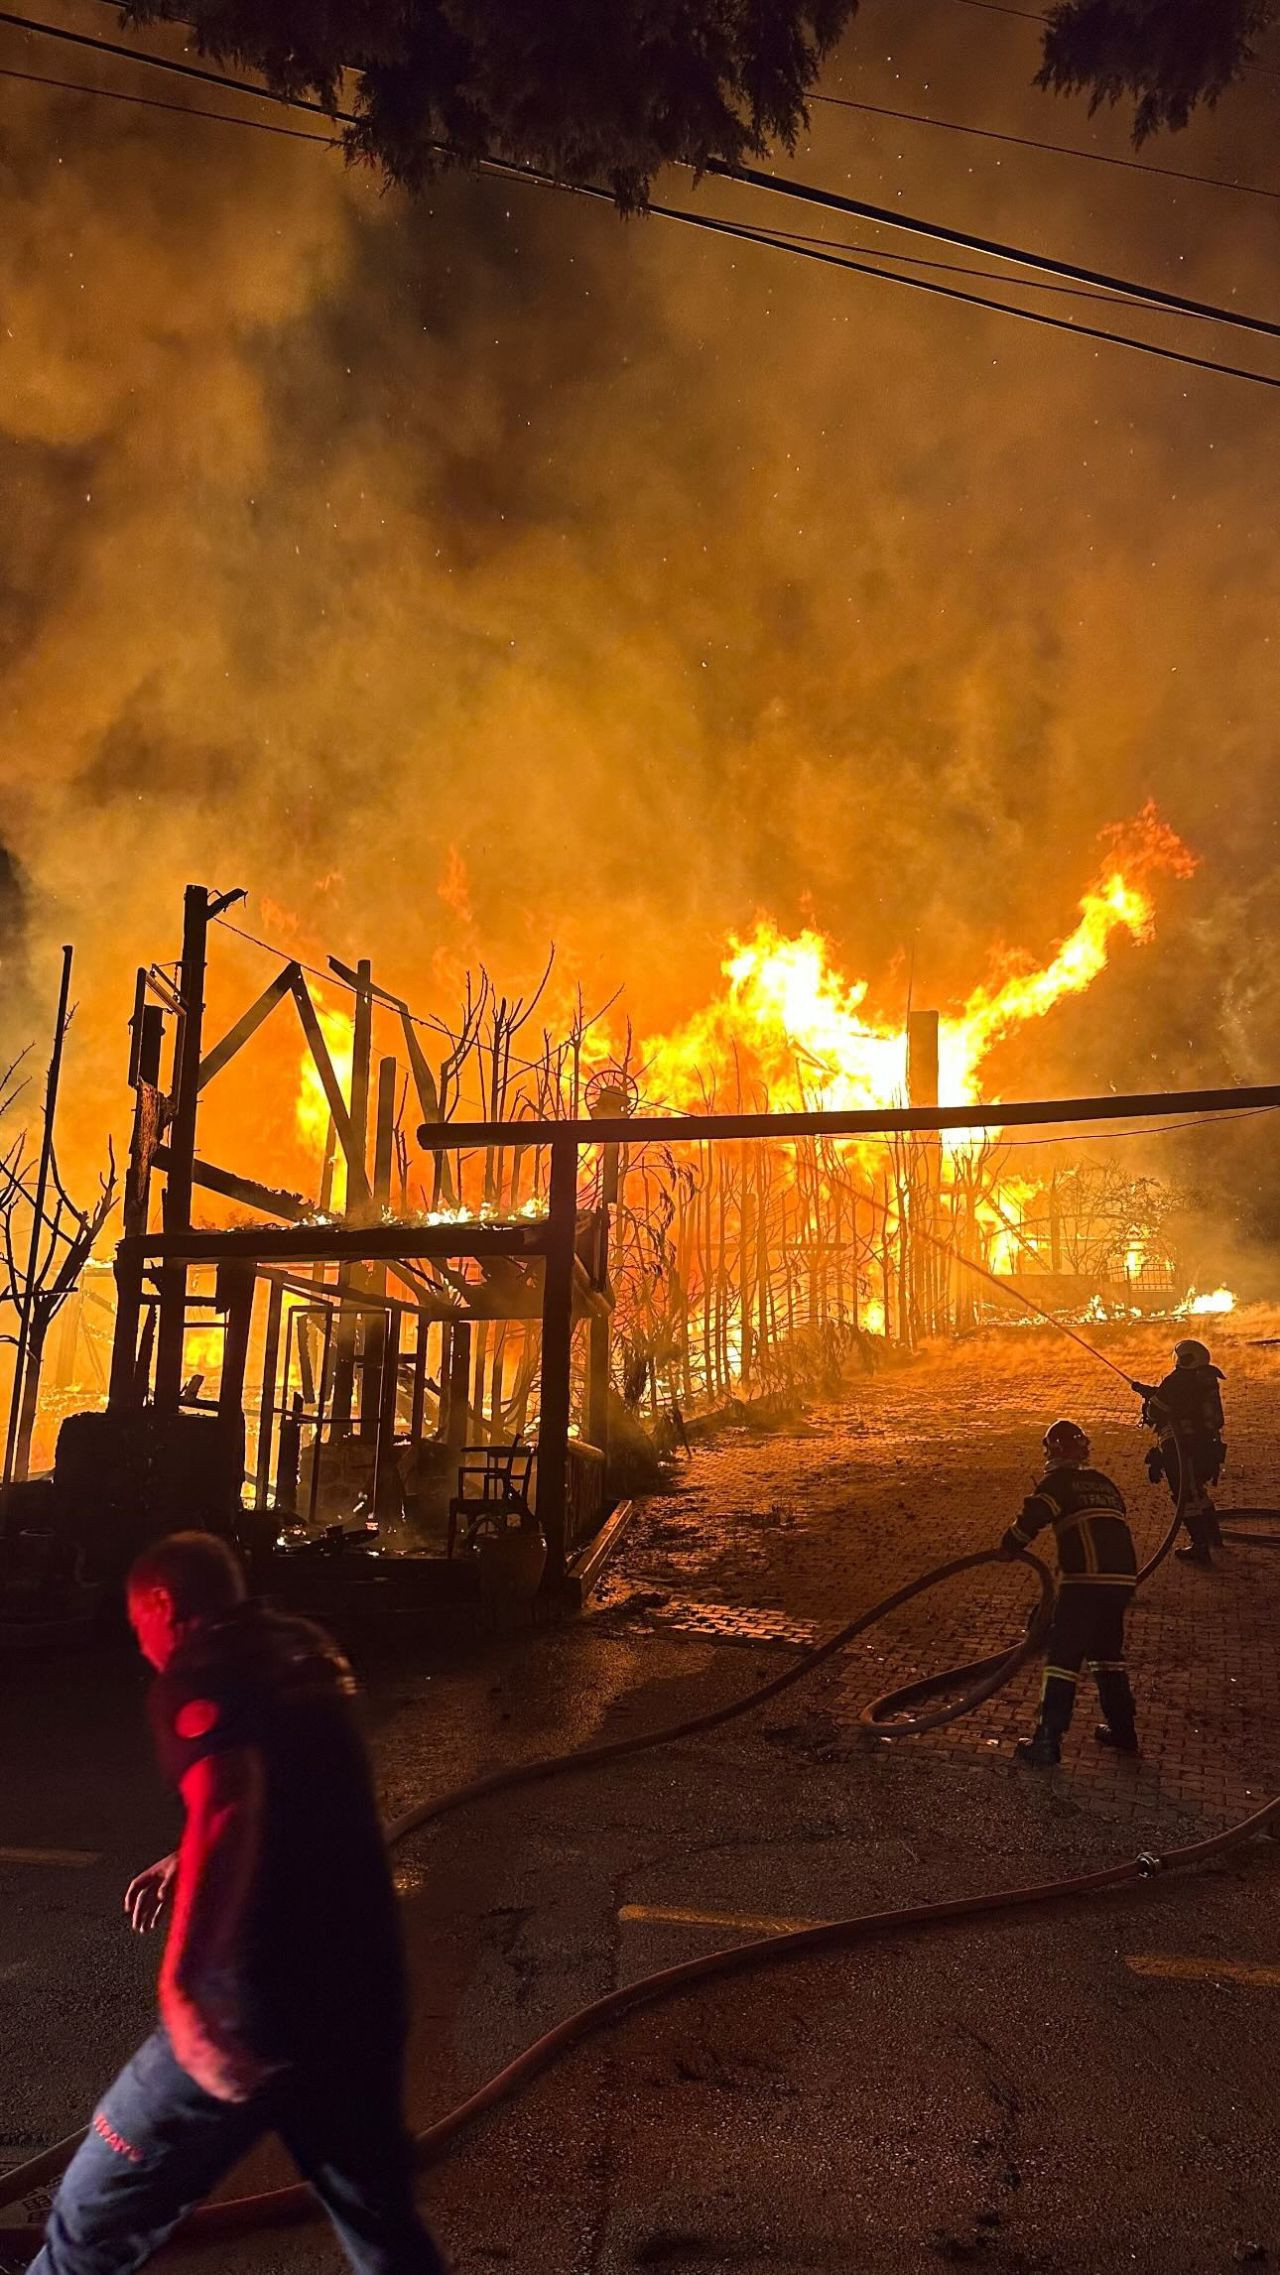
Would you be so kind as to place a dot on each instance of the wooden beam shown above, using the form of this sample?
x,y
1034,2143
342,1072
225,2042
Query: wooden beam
x,y
341,1243
877,1121
353,1152
267,1198
248,1023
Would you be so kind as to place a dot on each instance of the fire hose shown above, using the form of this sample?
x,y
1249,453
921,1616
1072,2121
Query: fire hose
x,y
975,1682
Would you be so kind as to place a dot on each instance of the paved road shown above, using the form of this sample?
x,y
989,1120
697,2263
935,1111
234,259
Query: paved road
x,y
1025,2094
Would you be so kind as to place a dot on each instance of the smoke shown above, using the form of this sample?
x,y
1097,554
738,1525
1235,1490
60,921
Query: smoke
x,y
462,577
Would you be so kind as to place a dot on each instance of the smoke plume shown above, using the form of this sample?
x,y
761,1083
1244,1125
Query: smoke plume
x,y
467,576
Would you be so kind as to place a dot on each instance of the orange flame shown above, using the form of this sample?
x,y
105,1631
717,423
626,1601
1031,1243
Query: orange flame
x,y
790,1027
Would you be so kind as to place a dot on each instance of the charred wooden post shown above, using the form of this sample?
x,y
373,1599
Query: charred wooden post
x,y
289,1458
458,1408
128,1375
179,1178
236,1285
925,1265
417,1410
374,1281
557,1348
267,1408
357,1187
385,1499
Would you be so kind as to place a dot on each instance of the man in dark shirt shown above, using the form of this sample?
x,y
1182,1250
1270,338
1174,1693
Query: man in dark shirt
x,y
282,1991
1185,1411
1096,1573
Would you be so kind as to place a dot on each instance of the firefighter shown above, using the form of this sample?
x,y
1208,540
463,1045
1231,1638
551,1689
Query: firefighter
x,y
1096,1573
1186,1412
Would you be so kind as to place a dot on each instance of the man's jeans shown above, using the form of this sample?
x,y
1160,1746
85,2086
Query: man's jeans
x,y
158,2143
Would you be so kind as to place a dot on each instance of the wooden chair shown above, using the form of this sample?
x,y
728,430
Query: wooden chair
x,y
493,1487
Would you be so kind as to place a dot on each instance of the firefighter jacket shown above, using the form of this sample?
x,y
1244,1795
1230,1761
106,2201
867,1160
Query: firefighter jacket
x,y
1087,1513
1189,1401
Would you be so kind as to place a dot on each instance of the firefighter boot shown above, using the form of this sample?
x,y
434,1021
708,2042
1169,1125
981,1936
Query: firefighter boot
x,y
1200,1523
1115,1697
1042,1750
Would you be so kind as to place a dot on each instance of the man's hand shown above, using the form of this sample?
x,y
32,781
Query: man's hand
x,y
145,1897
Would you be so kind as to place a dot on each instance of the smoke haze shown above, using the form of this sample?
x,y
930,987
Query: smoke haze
x,y
465,577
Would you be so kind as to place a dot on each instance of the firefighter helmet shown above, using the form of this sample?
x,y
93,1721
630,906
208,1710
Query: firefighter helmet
x,y
1191,1354
1066,1441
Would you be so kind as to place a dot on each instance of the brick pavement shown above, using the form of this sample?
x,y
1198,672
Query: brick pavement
x,y
780,1539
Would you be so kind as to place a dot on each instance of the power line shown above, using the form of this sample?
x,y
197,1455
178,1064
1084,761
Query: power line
x,y
334,142
1057,149
171,63
1143,1129
752,177
756,236
179,110
806,193
949,268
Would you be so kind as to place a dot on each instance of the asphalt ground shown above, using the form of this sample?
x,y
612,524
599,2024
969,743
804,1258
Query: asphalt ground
x,y
1091,2088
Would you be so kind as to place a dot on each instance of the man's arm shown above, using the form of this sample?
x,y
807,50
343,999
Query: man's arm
x,y
201,1986
1037,1512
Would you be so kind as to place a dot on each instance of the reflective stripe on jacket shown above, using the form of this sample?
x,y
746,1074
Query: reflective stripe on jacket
x,y
1090,1530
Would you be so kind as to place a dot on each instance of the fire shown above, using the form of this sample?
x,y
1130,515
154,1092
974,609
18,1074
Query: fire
x,y
787,1023
1214,1305
311,1107
202,1349
790,1024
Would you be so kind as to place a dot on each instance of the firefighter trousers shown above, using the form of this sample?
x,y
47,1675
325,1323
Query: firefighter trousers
x,y
1088,1629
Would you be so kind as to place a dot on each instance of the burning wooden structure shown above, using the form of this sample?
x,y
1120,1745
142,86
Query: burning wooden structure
x,y
603,1237
382,1342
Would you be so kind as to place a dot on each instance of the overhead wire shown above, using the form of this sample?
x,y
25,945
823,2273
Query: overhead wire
x,y
178,110
949,268
803,247
835,201
752,234
751,177
1055,149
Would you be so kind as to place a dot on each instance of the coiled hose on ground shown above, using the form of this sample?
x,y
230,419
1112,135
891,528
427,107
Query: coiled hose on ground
x,y
974,1683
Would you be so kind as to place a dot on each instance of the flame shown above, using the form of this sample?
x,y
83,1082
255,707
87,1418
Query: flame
x,y
1118,901
202,1349
787,1023
1214,1305
311,1107
790,1026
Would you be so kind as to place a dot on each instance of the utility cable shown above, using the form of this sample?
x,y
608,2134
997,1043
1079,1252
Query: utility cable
x,y
948,268
1055,149
750,177
178,110
808,193
753,235
335,142
171,63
